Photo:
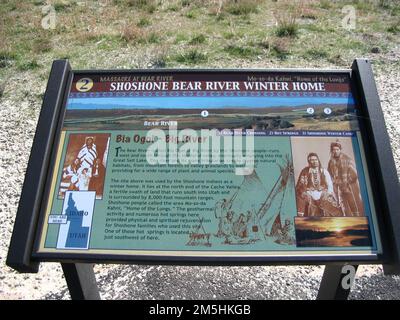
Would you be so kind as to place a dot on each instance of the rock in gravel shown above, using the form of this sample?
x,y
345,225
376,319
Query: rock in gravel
x,y
2,87
375,50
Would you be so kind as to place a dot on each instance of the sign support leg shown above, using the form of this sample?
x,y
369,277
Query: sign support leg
x,y
331,287
81,281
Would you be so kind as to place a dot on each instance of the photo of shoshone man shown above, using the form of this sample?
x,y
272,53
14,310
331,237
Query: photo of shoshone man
x,y
329,190
345,181
85,163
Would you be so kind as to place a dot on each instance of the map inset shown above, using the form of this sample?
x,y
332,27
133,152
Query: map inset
x,y
78,207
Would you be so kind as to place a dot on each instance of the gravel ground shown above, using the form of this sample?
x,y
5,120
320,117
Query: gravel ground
x,y
19,109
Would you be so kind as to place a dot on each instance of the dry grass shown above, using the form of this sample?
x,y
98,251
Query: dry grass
x,y
160,57
287,13
280,48
132,33
42,44
216,32
149,6
241,7
309,13
233,7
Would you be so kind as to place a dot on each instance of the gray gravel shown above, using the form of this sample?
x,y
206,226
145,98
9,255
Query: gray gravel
x,y
19,109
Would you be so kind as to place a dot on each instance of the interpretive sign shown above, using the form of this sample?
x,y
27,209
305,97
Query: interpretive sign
x,y
156,165
206,166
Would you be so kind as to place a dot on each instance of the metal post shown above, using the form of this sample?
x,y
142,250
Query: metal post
x,y
81,281
331,287
383,173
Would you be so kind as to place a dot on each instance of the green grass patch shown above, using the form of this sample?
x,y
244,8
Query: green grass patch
x,y
228,35
279,53
109,40
364,5
149,6
290,30
243,7
153,38
394,28
316,54
325,4
62,5
180,37
143,22
6,58
173,8
348,43
193,56
190,14
199,39
185,3
41,45
39,2
28,65
264,43
395,11
241,52
220,17
314,27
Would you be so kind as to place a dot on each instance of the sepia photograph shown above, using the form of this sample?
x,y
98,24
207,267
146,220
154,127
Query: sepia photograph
x,y
85,164
327,183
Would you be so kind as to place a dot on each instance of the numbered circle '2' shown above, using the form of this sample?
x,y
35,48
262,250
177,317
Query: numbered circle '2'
x,y
84,84
204,113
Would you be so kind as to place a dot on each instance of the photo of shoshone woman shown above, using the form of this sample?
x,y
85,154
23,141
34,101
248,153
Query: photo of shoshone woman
x,y
326,176
85,164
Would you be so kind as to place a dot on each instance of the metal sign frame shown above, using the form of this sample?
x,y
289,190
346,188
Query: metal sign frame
x,y
381,169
